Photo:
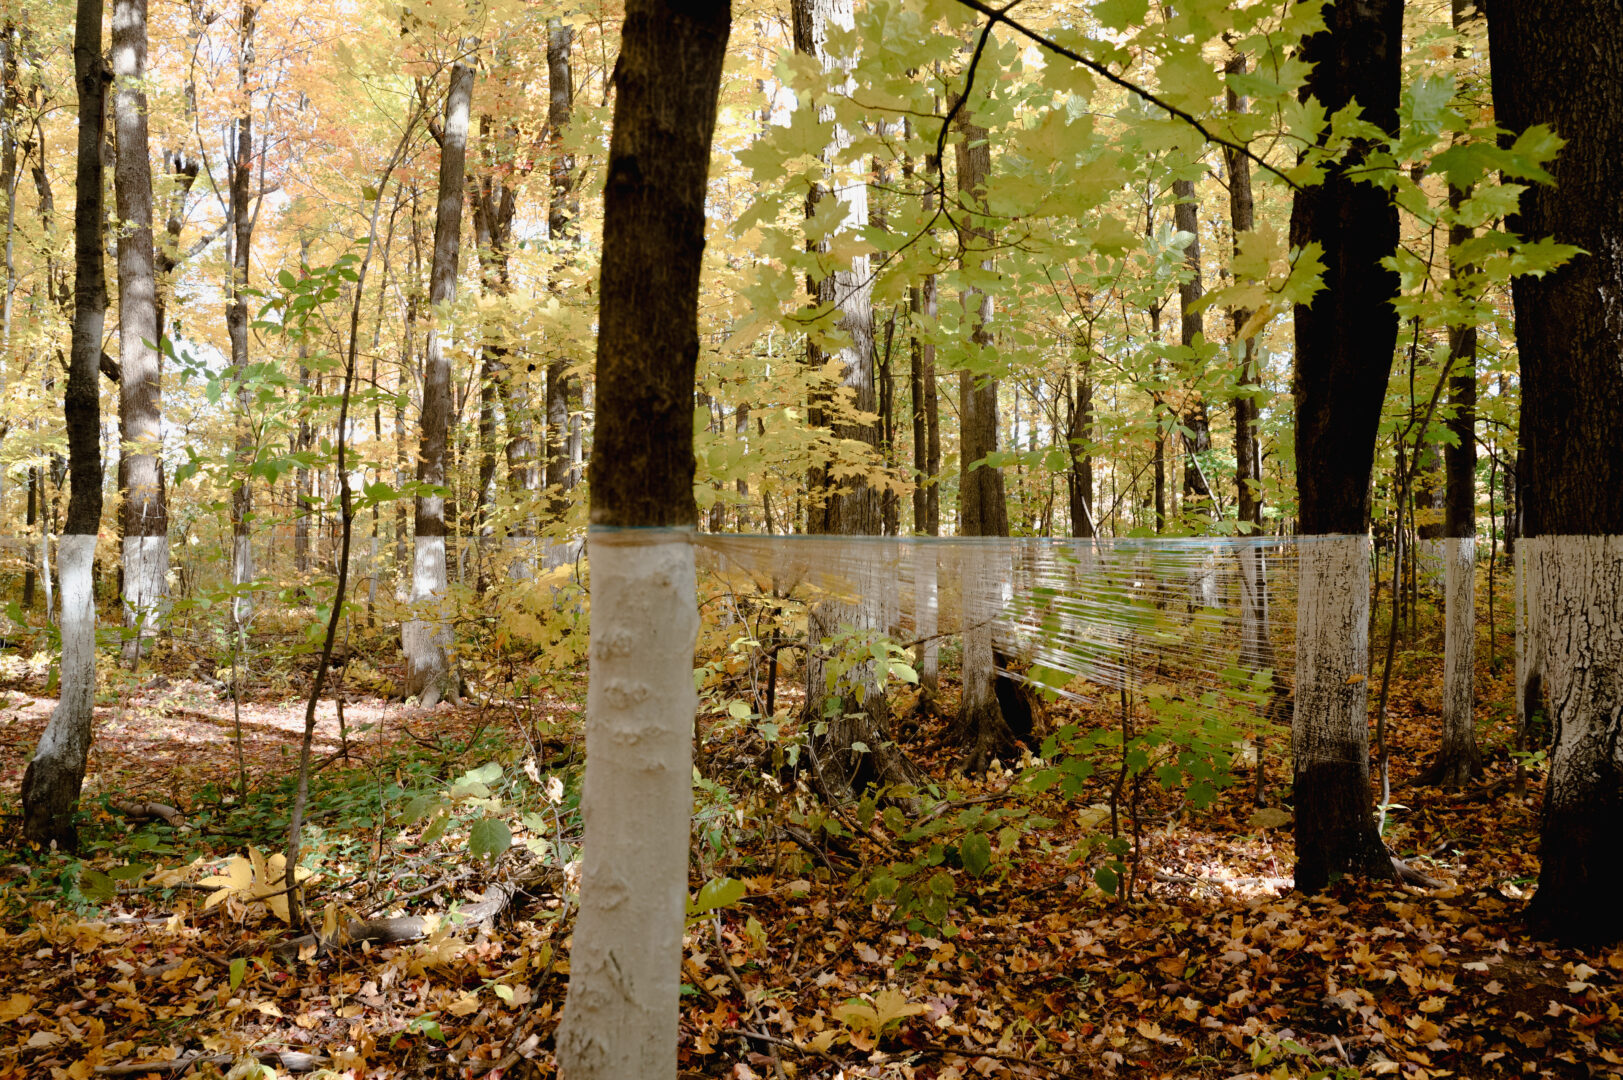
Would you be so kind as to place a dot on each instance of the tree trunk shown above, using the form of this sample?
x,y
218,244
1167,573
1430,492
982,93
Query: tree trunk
x,y
1247,452
51,783
1192,332
621,1016
926,493
982,502
1344,344
1078,440
1256,645
1459,759
1562,65
426,637
241,230
848,506
146,522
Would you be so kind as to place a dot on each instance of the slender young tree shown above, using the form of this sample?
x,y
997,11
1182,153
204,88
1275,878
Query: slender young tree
x,y
1197,495
620,1019
1242,219
241,232
1458,758
51,783
146,520
924,392
563,226
1344,344
426,637
1562,65
1256,647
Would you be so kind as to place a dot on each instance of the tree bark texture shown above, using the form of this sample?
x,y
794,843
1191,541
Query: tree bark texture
x,y
1344,344
1242,210
241,228
1335,834
562,211
52,781
621,1016
426,637
983,503
1191,326
146,521
1562,65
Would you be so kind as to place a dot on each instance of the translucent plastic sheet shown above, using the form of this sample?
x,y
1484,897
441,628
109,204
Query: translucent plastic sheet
x,y
1209,621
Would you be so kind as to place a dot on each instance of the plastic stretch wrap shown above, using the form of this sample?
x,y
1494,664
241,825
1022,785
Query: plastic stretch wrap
x,y
1209,621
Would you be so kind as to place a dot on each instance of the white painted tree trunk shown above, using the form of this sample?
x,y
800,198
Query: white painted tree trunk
x,y
1459,655
426,637
1335,831
146,588
626,960
65,743
1578,582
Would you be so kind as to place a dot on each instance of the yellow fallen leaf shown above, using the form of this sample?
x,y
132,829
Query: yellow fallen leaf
x,y
14,1006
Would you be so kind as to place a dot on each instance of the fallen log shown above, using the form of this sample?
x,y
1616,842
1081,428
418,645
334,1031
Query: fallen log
x,y
144,809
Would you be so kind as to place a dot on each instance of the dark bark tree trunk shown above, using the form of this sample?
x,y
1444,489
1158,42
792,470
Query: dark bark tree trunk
x,y
52,781
563,210
1561,64
1247,451
1186,218
621,1016
982,501
1078,439
1344,344
926,402
146,522
426,637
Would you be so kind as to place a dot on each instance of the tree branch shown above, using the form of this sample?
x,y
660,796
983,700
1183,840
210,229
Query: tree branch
x,y
994,15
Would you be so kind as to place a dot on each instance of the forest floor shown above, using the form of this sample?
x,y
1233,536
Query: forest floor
x,y
126,962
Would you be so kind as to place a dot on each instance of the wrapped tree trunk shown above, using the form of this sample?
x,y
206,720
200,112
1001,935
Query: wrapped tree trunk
x,y
620,1019
146,520
426,637
1562,65
1344,344
52,781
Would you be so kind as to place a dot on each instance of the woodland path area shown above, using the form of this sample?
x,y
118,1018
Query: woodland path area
x,y
1214,968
